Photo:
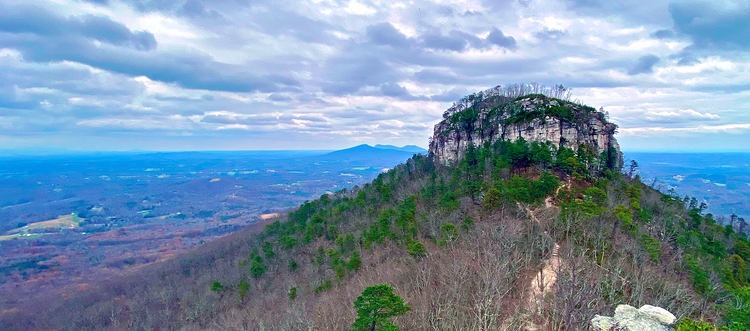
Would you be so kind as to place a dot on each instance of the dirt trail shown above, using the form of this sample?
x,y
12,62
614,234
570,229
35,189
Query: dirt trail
x,y
544,281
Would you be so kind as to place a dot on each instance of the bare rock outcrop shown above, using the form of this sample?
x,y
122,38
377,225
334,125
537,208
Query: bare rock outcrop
x,y
533,118
627,318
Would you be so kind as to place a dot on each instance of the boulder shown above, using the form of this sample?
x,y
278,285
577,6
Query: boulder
x,y
627,318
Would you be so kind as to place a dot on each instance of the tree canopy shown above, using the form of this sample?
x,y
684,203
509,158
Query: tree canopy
x,y
376,306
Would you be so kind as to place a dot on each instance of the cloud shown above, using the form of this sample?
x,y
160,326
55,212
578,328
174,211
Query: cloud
x,y
713,129
279,97
713,24
386,34
497,37
549,34
645,65
38,21
682,115
339,72
663,34
453,41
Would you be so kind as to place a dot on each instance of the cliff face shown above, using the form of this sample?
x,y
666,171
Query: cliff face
x,y
533,118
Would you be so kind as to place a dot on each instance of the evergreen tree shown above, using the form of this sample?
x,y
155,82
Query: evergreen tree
x,y
354,262
375,307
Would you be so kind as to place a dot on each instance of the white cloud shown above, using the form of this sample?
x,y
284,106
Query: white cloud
x,y
233,127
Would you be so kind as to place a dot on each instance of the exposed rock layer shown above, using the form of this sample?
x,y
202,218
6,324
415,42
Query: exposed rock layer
x,y
450,139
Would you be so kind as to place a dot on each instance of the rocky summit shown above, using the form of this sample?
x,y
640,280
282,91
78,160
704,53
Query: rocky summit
x,y
533,118
627,318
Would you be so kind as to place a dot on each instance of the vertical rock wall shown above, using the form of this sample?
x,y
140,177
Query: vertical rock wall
x,y
450,140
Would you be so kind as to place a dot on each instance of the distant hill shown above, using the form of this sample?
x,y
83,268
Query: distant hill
x,y
366,152
407,148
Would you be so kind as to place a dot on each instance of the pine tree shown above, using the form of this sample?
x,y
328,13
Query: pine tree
x,y
354,262
375,307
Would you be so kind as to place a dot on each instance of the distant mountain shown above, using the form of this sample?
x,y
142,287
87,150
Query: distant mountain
x,y
366,153
407,148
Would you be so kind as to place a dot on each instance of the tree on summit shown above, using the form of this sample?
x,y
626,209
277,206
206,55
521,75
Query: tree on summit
x,y
375,307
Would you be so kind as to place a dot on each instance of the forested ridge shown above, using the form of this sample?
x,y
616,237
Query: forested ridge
x,y
516,236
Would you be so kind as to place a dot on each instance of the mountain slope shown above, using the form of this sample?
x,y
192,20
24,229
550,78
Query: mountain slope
x,y
512,235
407,148
364,152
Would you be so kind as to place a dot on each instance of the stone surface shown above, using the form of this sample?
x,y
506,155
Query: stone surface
x,y
449,142
627,318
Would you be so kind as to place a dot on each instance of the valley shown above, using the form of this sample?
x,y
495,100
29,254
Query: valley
x,y
75,220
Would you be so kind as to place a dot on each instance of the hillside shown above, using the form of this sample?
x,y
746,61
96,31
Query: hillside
x,y
407,148
364,153
497,228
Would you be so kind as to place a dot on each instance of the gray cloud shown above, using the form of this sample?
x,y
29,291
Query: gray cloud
x,y
498,38
279,97
386,34
452,42
35,20
549,34
663,34
644,65
713,24
45,37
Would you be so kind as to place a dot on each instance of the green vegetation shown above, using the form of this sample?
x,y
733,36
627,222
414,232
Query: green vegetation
x,y
375,307
217,286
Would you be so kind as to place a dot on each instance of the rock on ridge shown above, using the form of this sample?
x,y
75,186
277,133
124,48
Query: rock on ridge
x,y
627,318
498,119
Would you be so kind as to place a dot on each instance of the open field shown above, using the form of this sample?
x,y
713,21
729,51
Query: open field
x,y
70,221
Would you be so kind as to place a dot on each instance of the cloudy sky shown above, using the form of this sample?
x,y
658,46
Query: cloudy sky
x,y
324,74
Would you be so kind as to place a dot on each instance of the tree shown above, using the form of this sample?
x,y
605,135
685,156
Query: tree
x,y
416,248
217,286
354,262
375,307
492,199
450,231
268,249
633,168
243,286
292,293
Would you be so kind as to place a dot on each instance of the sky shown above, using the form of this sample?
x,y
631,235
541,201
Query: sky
x,y
116,75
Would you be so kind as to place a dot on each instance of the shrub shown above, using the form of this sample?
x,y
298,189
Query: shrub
x,y
293,266
217,286
450,231
651,246
327,285
467,224
288,242
416,248
687,324
292,293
